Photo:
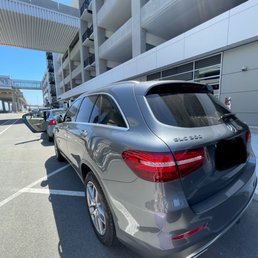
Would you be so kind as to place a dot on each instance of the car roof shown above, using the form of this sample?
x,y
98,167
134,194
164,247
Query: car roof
x,y
140,88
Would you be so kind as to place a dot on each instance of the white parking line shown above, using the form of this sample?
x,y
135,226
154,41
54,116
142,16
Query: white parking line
x,y
52,191
9,126
5,122
18,193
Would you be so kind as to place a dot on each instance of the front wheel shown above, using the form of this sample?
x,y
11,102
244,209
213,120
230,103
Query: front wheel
x,y
99,212
59,156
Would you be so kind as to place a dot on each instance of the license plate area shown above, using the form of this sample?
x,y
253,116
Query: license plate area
x,y
230,153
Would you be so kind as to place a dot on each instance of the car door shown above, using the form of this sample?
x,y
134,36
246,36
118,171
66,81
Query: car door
x,y
107,127
36,120
62,135
79,132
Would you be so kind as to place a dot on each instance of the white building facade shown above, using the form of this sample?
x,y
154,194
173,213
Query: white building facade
x,y
213,42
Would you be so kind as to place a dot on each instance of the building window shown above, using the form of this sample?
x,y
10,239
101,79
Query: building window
x,y
178,70
182,76
154,76
208,71
205,71
213,60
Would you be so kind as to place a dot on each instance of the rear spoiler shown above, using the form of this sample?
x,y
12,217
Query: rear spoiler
x,y
180,87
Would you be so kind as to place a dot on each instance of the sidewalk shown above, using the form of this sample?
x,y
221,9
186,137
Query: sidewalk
x,y
254,142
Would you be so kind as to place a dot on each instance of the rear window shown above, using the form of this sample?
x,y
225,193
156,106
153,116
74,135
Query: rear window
x,y
189,106
58,112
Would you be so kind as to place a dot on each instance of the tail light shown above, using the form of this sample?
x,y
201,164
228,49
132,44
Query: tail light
x,y
163,167
189,161
247,136
52,122
248,141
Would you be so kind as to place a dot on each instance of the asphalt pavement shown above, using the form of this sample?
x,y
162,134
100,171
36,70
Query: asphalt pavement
x,y
42,206
43,211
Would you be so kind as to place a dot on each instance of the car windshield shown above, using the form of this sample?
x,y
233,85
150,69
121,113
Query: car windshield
x,y
194,109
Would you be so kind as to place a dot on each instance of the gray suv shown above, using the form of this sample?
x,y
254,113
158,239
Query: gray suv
x,y
167,168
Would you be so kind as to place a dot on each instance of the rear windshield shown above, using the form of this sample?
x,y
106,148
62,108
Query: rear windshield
x,y
186,109
58,112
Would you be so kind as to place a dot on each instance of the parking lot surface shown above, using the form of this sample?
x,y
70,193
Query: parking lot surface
x,y
43,211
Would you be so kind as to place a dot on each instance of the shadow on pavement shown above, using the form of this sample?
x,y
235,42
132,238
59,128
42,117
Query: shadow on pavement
x,y
6,122
35,140
43,139
76,236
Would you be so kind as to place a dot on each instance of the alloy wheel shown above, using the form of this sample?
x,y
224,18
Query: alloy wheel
x,y
96,208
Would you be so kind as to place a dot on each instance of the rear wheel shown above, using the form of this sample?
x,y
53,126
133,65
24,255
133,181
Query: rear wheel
x,y
99,212
59,156
49,138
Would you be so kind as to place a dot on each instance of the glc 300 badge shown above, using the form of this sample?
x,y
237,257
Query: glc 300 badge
x,y
188,138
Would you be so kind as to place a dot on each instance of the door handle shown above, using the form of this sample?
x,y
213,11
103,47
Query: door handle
x,y
84,133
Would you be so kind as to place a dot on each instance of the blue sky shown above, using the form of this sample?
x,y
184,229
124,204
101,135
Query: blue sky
x,y
25,64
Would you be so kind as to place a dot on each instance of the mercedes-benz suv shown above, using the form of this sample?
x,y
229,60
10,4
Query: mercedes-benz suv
x,y
167,168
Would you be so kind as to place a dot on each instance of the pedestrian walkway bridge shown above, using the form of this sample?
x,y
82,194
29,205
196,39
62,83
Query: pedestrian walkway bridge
x,y
7,82
27,85
37,24
11,98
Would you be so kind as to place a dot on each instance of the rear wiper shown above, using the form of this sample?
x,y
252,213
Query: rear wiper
x,y
226,116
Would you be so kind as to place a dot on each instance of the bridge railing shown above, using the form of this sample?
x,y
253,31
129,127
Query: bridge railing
x,y
26,84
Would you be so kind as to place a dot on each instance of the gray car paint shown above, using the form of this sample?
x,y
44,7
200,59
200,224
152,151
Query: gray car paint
x,y
146,214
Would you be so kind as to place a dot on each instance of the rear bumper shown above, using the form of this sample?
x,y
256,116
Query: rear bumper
x,y
206,244
50,130
197,244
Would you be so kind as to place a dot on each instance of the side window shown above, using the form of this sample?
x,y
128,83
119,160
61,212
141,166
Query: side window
x,y
106,112
85,109
72,111
94,118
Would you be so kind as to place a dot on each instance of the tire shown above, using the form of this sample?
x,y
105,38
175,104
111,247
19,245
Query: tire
x,y
99,211
59,156
49,138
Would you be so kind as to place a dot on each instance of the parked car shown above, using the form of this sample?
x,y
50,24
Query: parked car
x,y
167,169
44,120
36,119
53,116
